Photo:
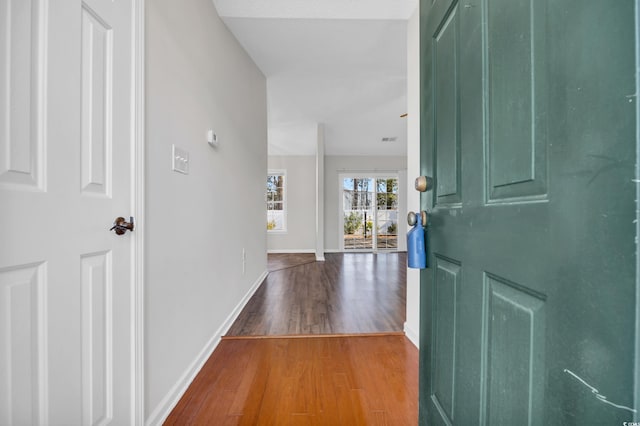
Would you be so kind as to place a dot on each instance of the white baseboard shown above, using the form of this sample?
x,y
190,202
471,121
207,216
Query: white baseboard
x,y
412,335
333,251
319,258
292,251
162,411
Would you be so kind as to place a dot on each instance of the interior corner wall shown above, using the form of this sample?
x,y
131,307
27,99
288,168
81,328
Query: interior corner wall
x,y
300,235
333,167
412,324
198,77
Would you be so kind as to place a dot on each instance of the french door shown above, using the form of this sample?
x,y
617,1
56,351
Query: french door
x,y
369,207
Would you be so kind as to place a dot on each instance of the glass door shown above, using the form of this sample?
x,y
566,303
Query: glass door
x,y
387,213
370,213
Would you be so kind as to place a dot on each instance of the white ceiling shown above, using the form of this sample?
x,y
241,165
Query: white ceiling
x,y
337,62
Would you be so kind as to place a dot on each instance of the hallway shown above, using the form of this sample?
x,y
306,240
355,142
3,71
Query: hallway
x,y
325,371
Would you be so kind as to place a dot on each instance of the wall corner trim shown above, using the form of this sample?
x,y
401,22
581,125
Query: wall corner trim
x,y
412,335
168,403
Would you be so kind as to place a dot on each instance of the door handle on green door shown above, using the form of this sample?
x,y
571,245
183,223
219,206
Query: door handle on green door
x,y
412,218
424,183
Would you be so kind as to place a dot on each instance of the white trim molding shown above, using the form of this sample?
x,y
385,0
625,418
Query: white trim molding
x,y
412,335
138,194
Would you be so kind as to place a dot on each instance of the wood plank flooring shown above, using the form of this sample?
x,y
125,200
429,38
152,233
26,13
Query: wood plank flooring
x,y
348,293
369,380
278,261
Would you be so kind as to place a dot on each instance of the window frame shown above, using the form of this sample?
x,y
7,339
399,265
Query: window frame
x,y
374,204
283,173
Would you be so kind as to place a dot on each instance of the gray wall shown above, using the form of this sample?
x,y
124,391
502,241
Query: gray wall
x,y
334,166
198,77
301,205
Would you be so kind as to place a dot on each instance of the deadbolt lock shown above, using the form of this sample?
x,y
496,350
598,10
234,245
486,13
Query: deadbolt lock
x,y
424,183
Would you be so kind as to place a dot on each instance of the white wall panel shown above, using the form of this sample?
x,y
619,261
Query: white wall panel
x,y
198,77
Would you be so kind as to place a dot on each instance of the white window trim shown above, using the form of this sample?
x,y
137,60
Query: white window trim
x,y
285,207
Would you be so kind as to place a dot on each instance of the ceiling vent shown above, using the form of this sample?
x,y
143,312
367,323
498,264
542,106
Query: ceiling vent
x,y
392,139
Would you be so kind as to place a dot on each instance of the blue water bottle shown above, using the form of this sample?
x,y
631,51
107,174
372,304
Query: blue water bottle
x,y
416,245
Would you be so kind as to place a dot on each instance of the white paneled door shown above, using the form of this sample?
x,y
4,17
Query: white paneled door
x,y
66,172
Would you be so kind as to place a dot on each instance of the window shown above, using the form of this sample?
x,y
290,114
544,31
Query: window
x,y
370,212
276,201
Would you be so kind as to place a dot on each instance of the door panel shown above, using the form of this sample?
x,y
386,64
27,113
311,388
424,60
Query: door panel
x,y
447,274
514,348
447,106
65,280
515,92
97,323
529,304
21,299
97,84
22,24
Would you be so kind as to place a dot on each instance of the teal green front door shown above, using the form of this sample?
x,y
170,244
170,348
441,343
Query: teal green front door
x,y
528,128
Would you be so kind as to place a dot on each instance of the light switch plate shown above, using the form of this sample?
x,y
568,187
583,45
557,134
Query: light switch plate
x,y
179,160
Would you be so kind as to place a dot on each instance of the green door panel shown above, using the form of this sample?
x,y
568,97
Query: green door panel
x,y
516,99
444,297
446,111
528,126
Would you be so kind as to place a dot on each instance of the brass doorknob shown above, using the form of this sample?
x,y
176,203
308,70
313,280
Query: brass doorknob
x,y
424,183
120,225
412,218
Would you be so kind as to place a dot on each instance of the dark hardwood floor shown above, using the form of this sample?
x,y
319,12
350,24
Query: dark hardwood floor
x,y
349,293
278,261
370,380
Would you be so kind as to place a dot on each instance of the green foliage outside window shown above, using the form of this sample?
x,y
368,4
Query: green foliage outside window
x,y
369,226
352,222
391,229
